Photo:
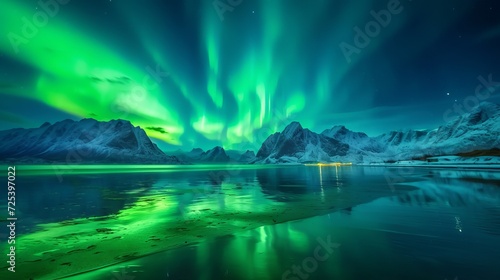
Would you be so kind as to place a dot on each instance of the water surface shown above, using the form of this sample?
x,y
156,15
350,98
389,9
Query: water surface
x,y
259,222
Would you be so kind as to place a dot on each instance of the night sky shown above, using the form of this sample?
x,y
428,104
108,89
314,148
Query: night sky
x,y
202,73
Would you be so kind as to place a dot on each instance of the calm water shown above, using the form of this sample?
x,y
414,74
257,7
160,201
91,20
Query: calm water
x,y
291,222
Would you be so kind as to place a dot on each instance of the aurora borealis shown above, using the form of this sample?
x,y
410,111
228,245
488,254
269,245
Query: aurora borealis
x,y
194,76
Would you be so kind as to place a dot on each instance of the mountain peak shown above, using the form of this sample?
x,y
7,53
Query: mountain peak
x,y
291,129
482,112
216,154
487,106
247,156
336,129
118,142
342,133
45,124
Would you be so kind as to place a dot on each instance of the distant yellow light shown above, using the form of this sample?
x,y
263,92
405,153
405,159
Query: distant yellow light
x,y
329,164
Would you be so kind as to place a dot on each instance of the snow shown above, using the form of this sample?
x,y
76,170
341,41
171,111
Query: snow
x,y
248,156
217,154
478,129
490,162
87,140
291,130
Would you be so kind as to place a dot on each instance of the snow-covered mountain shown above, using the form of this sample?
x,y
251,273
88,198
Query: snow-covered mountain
x,y
89,140
295,143
195,152
401,144
356,140
478,129
217,154
83,141
246,157
197,155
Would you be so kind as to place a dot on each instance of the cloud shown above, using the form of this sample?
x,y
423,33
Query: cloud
x,y
12,118
157,129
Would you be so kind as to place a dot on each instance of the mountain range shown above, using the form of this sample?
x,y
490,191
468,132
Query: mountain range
x,y
476,130
214,155
118,141
84,141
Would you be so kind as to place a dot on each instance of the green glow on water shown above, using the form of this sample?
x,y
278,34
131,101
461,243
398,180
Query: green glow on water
x,y
60,169
167,215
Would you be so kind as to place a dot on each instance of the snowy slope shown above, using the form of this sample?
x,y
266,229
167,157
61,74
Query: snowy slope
x,y
360,145
478,129
197,155
217,154
301,145
246,157
482,162
87,140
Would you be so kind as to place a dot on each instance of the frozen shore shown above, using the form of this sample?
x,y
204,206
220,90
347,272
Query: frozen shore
x,y
483,162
